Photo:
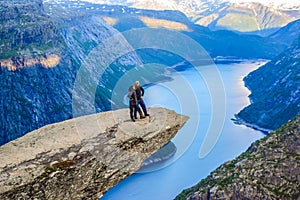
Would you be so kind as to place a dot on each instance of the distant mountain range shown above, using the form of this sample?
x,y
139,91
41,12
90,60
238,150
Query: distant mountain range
x,y
259,17
216,43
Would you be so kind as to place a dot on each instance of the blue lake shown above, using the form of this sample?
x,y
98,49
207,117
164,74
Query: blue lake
x,y
189,94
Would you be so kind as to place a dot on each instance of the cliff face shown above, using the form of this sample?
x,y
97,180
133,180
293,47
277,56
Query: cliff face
x,y
26,34
40,55
275,90
269,169
82,158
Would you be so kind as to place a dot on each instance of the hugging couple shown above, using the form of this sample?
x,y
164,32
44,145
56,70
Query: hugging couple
x,y
135,95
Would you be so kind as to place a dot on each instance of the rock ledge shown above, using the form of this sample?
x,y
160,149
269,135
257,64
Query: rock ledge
x,y
82,158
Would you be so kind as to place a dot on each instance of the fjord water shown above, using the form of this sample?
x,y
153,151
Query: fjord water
x,y
186,168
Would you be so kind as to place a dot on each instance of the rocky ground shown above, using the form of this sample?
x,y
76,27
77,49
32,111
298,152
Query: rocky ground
x,y
82,158
269,169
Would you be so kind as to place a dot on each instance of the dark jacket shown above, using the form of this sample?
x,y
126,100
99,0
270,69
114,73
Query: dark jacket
x,y
139,92
132,95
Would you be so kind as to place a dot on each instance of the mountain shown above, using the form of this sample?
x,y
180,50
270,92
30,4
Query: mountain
x,y
216,43
259,17
45,45
41,53
288,33
275,90
269,169
248,18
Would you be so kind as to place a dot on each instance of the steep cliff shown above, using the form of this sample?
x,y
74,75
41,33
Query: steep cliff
x,y
82,158
269,169
41,50
275,91
27,35
35,70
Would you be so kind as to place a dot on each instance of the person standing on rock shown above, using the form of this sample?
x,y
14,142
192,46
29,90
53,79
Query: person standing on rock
x,y
140,93
133,104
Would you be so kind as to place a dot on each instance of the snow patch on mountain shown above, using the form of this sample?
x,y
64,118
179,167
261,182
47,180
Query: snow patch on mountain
x,y
172,4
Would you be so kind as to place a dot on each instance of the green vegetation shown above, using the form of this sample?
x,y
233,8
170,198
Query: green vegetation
x,y
45,47
87,46
9,54
239,22
59,166
225,182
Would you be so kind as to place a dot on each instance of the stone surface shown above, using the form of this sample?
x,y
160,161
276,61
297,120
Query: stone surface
x,y
269,169
82,158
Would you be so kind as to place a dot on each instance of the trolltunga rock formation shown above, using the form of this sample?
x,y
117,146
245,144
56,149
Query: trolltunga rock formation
x,y
82,158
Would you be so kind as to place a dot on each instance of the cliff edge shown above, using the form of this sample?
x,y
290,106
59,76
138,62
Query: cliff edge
x,y
269,169
83,157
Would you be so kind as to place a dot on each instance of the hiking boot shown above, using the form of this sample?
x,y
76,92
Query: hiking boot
x,y
132,120
142,117
147,115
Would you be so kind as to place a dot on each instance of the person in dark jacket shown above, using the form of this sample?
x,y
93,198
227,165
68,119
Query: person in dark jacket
x,y
140,93
133,104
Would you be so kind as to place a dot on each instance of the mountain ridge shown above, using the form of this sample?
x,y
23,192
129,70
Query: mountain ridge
x,y
269,169
265,18
274,90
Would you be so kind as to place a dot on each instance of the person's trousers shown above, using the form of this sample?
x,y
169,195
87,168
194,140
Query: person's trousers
x,y
141,102
133,110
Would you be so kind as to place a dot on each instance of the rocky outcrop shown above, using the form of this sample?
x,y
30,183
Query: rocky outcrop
x,y
82,158
269,169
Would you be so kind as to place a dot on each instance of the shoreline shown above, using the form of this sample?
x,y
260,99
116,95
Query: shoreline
x,y
229,60
240,121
